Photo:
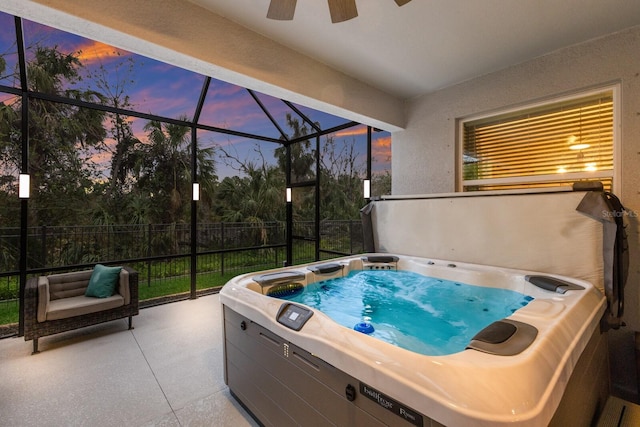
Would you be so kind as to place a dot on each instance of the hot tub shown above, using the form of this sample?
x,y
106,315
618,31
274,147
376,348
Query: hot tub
x,y
292,365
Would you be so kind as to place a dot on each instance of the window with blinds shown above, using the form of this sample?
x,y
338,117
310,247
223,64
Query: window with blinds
x,y
542,146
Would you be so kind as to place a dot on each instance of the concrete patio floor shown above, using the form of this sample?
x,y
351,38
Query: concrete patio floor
x,y
168,371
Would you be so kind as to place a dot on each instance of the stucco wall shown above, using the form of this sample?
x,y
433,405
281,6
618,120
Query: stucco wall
x,y
424,154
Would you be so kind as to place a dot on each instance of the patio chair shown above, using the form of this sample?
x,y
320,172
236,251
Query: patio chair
x,y
67,301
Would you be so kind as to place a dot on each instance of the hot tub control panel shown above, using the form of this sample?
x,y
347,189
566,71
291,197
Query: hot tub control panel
x,y
293,316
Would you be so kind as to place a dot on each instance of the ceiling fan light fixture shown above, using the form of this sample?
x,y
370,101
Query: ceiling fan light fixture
x,y
342,10
281,10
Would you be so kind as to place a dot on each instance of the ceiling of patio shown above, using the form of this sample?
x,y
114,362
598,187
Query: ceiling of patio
x,y
431,44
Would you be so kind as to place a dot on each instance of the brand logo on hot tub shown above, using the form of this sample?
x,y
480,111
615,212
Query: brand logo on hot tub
x,y
391,405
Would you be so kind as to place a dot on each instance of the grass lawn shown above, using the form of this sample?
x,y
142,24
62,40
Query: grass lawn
x,y
8,312
182,284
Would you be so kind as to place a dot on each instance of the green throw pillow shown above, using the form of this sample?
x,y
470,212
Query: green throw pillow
x,y
103,281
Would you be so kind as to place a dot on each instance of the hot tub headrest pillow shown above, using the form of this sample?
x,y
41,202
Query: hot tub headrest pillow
x,y
103,281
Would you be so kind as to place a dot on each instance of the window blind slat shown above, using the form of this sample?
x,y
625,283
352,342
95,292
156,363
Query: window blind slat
x,y
541,142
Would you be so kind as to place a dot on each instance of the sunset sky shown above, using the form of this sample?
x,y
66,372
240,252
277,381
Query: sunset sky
x,y
162,89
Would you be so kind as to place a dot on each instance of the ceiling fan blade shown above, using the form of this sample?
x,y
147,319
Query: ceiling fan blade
x,y
402,2
281,10
342,10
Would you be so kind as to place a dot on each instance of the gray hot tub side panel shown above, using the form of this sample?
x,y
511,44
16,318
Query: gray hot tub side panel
x,y
284,385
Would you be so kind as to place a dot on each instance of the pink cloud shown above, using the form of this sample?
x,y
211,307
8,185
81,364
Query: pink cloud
x,y
149,100
92,52
381,147
8,99
354,131
231,112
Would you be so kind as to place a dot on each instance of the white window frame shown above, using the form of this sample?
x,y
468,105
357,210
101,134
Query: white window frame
x,y
614,174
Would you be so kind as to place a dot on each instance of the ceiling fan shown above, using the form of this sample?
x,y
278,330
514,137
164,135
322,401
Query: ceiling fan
x,y
340,10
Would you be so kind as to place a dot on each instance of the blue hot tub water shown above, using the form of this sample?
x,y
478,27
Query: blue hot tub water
x,y
418,313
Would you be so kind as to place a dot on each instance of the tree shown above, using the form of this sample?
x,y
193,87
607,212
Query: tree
x,y
381,184
3,67
163,167
340,180
62,139
117,202
163,170
302,154
113,84
9,168
256,196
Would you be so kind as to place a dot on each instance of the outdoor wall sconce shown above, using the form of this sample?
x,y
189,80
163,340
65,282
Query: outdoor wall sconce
x,y
367,188
288,195
196,191
23,185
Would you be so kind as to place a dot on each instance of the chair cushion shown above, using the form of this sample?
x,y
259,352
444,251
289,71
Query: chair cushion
x,y
123,286
103,281
76,306
63,285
